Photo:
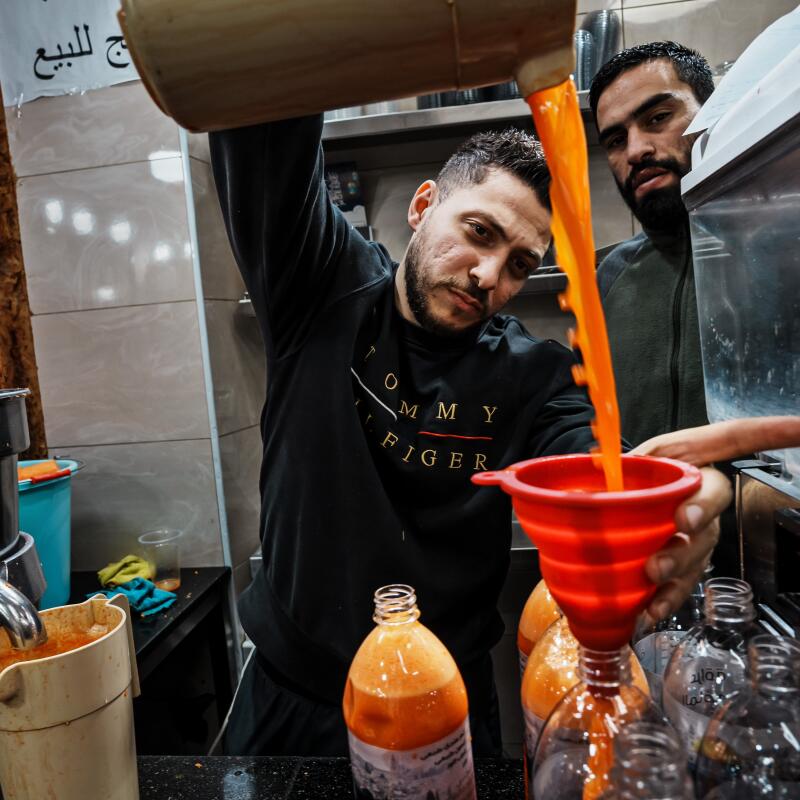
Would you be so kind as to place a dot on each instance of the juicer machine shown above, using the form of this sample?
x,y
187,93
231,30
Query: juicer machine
x,y
743,198
22,582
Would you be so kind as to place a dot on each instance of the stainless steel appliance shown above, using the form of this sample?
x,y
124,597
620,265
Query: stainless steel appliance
x,y
768,515
743,197
19,561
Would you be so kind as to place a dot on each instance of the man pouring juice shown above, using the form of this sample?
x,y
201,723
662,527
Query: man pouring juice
x,y
390,385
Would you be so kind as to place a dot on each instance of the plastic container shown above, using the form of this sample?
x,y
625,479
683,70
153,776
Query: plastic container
x,y
405,707
710,661
552,672
44,513
214,64
593,544
750,749
575,752
743,197
161,548
66,720
539,613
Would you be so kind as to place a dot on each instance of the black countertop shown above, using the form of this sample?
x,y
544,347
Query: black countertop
x,y
233,778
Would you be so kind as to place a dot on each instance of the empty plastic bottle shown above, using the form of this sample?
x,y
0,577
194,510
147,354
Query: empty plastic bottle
x,y
751,749
710,662
649,764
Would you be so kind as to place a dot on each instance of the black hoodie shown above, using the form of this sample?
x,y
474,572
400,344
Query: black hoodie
x,y
372,427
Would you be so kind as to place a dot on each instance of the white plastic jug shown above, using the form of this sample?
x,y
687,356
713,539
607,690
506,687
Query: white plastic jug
x,y
66,721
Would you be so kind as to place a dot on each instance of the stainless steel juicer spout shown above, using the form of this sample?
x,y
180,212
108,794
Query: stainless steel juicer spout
x,y
19,616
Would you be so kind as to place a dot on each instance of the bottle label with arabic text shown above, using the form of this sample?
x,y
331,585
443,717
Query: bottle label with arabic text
x,y
690,707
442,770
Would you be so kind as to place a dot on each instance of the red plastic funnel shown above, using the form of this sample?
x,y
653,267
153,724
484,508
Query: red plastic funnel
x,y
593,544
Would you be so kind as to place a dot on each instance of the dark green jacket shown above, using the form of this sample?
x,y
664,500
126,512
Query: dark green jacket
x,y
648,291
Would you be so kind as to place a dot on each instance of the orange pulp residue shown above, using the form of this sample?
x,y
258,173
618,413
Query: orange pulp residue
x,y
405,722
404,690
57,644
559,126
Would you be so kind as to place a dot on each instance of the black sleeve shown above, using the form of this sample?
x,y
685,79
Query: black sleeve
x,y
288,239
563,424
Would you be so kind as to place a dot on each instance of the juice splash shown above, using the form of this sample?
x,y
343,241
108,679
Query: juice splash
x,y
56,645
559,126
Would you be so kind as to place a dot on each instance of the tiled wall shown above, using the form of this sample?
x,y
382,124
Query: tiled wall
x,y
110,279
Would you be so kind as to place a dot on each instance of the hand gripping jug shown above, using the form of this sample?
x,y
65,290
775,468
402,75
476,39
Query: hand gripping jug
x,y
66,720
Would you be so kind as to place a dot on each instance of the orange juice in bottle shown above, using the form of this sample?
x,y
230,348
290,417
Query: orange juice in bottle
x,y
539,613
405,706
551,672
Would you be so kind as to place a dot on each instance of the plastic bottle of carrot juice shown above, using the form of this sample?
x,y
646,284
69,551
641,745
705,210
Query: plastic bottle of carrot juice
x,y
539,613
405,706
551,672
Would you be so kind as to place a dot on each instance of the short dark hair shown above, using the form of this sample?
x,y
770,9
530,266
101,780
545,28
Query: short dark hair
x,y
513,150
689,65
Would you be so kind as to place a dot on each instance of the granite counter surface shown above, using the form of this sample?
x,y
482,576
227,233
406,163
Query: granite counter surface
x,y
237,778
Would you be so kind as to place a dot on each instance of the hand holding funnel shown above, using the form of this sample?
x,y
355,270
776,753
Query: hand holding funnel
x,y
593,544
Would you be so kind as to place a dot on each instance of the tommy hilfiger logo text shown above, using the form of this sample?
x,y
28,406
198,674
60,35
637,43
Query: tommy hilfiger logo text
x,y
456,457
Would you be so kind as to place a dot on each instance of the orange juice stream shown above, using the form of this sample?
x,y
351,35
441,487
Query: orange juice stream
x,y
559,126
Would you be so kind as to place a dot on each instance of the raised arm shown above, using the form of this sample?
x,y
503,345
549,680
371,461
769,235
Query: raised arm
x,y
288,239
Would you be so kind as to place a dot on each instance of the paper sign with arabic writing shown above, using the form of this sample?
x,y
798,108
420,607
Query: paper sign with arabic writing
x,y
50,47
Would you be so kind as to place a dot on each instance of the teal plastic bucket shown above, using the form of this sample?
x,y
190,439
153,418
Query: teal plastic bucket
x,y
44,513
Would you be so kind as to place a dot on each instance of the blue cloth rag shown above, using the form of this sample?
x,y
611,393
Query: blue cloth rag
x,y
142,595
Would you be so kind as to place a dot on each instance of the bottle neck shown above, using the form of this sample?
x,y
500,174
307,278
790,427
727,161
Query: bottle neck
x,y
775,665
600,669
395,604
728,603
650,763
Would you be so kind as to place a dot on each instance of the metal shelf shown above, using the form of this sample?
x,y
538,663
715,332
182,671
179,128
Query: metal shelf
x,y
426,119
546,280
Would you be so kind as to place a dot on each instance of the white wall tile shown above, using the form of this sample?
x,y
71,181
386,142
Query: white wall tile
x,y
541,315
241,455
241,577
108,236
387,194
611,218
198,146
585,6
121,375
125,490
238,365
221,277
626,4
114,125
719,29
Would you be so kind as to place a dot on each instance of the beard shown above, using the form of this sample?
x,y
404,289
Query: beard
x,y
660,209
419,287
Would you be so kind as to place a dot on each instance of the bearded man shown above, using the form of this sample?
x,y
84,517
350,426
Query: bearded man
x,y
643,100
